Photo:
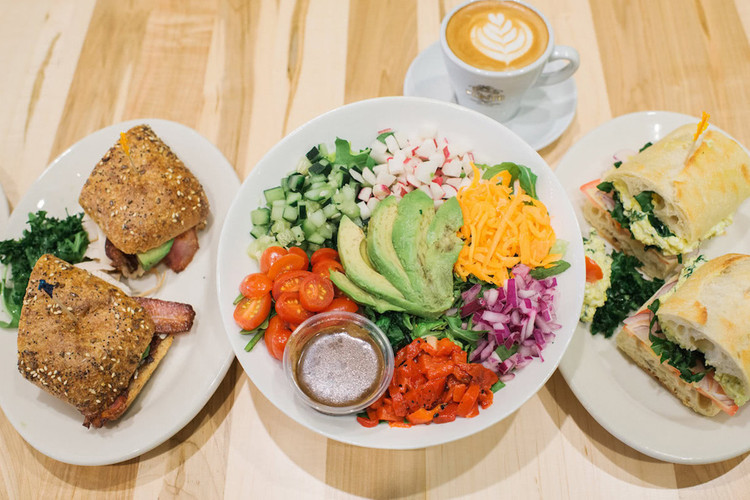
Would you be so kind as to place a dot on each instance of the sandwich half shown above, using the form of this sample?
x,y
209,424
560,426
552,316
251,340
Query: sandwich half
x,y
88,343
146,202
694,335
661,203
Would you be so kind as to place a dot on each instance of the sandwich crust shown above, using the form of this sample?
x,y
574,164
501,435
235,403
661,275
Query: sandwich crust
x,y
86,353
141,194
710,312
697,187
649,362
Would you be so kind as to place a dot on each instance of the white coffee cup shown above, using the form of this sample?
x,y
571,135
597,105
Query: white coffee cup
x,y
499,44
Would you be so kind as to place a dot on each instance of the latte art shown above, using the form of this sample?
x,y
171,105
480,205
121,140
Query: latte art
x,y
497,35
503,39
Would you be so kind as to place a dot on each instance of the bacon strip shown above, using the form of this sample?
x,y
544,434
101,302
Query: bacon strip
x,y
113,412
183,250
120,260
168,317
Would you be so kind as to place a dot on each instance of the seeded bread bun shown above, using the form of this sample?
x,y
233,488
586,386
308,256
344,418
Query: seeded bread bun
x,y
80,338
141,194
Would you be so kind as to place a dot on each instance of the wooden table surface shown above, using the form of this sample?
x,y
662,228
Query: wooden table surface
x,y
244,74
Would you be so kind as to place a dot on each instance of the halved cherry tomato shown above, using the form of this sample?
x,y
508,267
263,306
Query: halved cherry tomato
x,y
288,282
289,308
324,253
301,253
367,422
342,304
593,271
288,262
276,336
315,293
271,255
250,313
256,285
323,267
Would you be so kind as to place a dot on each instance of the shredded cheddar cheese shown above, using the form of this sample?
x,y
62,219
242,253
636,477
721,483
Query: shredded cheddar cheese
x,y
502,227
702,126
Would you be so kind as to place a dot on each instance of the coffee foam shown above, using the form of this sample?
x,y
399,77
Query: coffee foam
x,y
497,36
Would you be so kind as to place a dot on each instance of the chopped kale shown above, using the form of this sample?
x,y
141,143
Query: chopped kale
x,y
682,359
628,291
645,146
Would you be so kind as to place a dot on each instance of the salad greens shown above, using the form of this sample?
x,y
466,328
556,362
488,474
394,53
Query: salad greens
x,y
519,173
65,238
628,291
682,359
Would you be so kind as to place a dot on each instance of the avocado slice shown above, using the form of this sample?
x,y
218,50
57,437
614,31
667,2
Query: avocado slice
x,y
415,213
350,238
150,258
380,247
442,246
361,296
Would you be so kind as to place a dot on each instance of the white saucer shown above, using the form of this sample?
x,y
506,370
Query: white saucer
x,y
545,113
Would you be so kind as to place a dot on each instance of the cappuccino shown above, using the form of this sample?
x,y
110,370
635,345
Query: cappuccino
x,y
497,35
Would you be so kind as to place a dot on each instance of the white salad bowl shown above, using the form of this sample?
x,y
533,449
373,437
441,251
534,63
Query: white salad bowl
x,y
359,123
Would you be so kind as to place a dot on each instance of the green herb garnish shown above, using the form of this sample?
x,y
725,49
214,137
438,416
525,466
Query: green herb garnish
x,y
628,291
523,174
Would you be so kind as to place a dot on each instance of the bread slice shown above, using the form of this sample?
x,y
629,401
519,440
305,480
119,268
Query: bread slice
x,y
647,360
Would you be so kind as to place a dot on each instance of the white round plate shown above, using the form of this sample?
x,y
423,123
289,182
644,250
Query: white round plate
x,y
359,123
197,361
624,399
545,114
4,211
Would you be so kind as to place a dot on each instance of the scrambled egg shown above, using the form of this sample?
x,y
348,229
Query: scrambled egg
x,y
596,292
687,270
644,232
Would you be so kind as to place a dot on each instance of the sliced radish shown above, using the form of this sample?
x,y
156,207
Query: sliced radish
x,y
372,203
379,169
380,191
395,167
449,191
364,210
364,194
356,176
378,151
386,179
391,144
436,191
368,177
455,182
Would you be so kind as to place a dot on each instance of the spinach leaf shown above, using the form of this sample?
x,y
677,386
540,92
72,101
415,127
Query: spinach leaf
x,y
64,238
645,146
523,174
628,291
345,155
539,273
682,359
605,186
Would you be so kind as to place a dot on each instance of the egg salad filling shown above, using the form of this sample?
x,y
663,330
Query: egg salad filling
x,y
636,213
595,294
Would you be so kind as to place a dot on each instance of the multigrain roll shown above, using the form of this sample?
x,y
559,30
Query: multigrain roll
x,y
147,203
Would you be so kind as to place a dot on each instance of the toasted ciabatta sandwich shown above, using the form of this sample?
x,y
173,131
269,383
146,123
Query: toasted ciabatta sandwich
x,y
661,203
694,334
146,202
88,343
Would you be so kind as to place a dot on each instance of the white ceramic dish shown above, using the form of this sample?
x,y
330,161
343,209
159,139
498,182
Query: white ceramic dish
x,y
545,114
359,123
620,396
197,361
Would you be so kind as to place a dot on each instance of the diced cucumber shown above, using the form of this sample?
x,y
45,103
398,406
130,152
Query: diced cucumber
x,y
277,210
273,194
260,216
259,230
299,234
295,182
317,217
293,198
290,213
331,212
316,238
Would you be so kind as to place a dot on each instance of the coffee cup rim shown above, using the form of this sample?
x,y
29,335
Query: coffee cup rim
x,y
484,72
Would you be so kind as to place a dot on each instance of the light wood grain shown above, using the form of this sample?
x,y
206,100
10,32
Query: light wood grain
x,y
244,74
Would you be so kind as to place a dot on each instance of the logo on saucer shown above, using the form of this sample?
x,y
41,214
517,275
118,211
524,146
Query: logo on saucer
x,y
484,94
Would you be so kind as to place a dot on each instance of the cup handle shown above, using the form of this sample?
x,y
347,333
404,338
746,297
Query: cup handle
x,y
560,52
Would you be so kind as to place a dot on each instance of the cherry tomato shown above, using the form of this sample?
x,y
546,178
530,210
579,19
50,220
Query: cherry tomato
x,y
315,293
288,262
323,267
250,313
256,285
593,271
288,282
342,304
301,253
324,253
289,308
276,336
271,255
